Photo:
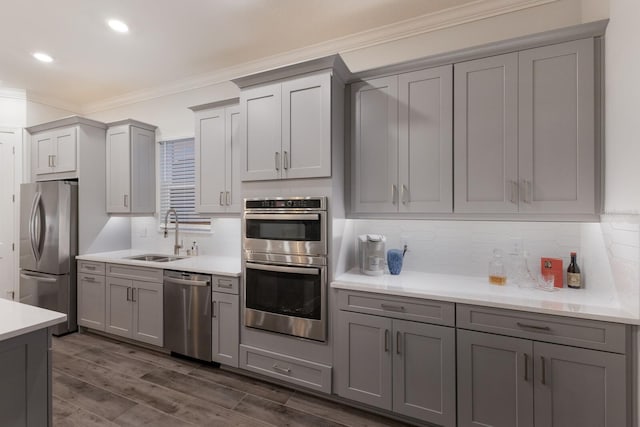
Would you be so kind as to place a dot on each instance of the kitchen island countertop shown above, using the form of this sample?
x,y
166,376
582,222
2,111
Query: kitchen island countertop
x,y
222,265
19,319
580,303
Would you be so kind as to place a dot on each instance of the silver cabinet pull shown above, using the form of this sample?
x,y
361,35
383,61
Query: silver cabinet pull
x,y
128,290
53,160
390,307
398,334
277,158
50,161
536,327
89,278
126,200
133,294
225,285
526,191
404,190
275,367
514,192
526,369
544,371
90,267
286,160
394,193
220,198
213,309
227,198
386,340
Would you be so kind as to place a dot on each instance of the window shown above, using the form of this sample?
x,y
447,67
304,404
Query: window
x,y
177,184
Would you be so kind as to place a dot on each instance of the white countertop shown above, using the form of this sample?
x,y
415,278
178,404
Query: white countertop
x,y
226,266
579,303
19,319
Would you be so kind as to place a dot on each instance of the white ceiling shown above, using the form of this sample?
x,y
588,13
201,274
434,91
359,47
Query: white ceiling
x,y
170,40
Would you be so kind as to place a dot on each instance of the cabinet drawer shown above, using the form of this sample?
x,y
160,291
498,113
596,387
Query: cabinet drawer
x,y
228,285
419,310
286,368
91,267
543,327
135,273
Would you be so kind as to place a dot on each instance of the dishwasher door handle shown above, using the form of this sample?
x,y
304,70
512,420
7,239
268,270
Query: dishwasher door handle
x,y
186,282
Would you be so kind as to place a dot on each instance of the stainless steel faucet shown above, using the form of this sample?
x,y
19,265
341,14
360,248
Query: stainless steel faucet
x,y
176,246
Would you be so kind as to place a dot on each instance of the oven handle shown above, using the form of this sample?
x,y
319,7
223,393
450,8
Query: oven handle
x,y
283,269
283,217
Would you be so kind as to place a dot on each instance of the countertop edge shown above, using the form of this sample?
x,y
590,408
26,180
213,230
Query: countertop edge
x,y
32,328
362,287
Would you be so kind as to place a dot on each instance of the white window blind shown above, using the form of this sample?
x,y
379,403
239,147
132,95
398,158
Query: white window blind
x,y
177,184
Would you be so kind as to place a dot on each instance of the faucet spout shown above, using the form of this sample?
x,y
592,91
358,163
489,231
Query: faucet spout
x,y
176,245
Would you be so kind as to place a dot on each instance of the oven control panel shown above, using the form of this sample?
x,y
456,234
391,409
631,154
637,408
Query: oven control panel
x,y
294,203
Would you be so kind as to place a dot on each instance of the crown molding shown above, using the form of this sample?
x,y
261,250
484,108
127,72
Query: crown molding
x,y
53,102
12,93
459,15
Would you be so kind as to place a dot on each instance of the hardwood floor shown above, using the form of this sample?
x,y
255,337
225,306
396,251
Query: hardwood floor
x,y
102,382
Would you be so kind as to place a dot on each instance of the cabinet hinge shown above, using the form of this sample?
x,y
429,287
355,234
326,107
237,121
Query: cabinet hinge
x,y
13,247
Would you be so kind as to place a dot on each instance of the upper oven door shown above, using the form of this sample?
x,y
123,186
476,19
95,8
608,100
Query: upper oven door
x,y
285,232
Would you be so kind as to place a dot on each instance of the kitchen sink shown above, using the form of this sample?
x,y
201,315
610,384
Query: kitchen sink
x,y
155,258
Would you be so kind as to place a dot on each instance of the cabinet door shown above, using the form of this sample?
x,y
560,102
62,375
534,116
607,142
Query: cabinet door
x,y
306,127
147,298
579,387
66,147
43,152
233,197
424,372
261,132
225,318
143,170
557,145
426,140
210,152
363,368
486,135
119,316
495,380
375,145
91,301
118,169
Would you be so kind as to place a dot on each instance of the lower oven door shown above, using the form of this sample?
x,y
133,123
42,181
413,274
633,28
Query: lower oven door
x,y
286,299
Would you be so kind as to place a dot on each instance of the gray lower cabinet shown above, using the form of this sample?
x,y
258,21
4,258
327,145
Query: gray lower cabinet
x,y
505,381
25,388
91,301
225,330
398,365
134,308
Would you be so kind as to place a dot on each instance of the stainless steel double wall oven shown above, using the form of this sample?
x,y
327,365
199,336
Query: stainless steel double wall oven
x,y
285,265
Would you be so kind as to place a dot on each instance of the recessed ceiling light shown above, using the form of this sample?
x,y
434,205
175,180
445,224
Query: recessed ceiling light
x,y
40,56
118,26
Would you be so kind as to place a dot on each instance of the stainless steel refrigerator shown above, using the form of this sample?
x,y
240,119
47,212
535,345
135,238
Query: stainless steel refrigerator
x,y
48,248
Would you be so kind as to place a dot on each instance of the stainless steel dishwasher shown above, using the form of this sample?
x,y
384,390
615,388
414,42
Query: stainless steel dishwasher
x,y
187,314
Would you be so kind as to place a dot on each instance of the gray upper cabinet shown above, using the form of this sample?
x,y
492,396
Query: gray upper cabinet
x,y
286,129
402,143
486,135
131,167
524,132
217,152
375,145
556,128
55,152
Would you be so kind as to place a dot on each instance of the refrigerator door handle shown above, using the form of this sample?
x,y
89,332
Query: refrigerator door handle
x,y
38,278
34,235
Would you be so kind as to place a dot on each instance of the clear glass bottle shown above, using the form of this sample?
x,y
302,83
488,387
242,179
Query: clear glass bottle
x,y
497,271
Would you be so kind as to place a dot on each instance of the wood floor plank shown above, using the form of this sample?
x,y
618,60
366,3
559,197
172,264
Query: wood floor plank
x,y
280,415
89,397
142,415
205,390
339,413
159,359
172,402
239,382
117,362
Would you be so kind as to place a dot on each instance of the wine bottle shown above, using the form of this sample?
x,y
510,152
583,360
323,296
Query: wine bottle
x,y
574,279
